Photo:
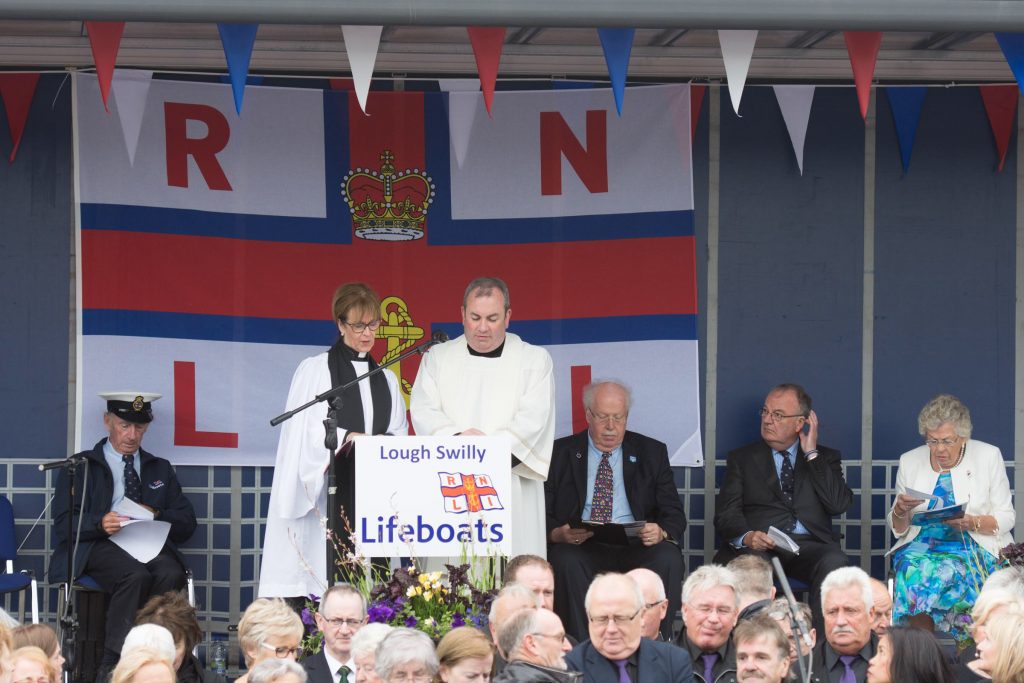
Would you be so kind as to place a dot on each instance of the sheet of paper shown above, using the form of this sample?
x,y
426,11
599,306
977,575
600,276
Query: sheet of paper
x,y
914,493
783,540
143,539
133,510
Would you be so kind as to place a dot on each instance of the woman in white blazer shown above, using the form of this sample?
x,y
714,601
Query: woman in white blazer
x,y
940,567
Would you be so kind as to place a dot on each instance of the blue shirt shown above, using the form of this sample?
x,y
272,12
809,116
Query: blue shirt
x,y
777,456
621,512
116,465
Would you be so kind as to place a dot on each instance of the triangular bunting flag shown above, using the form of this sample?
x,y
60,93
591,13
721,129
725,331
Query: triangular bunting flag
x,y
131,89
238,40
1012,45
487,43
906,106
105,39
1001,108
862,46
795,102
696,101
17,91
361,44
737,49
617,43
462,103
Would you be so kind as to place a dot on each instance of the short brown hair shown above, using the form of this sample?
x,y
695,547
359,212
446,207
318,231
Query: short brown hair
x,y
172,611
520,561
354,297
36,635
464,642
762,625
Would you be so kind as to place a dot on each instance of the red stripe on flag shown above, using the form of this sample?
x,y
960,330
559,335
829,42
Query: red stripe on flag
x,y
396,125
579,377
185,433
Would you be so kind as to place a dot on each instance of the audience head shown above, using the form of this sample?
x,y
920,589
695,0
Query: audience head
x,y
6,648
32,665
43,637
848,610
655,602
364,647
464,655
945,409
269,628
341,614
991,600
762,650
779,611
535,636
486,311
152,637
1001,651
277,671
535,573
509,600
753,579
143,665
882,603
406,654
607,404
784,414
710,606
172,611
613,604
1006,579
909,655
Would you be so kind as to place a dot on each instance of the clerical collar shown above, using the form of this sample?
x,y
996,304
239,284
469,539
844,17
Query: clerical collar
x,y
495,353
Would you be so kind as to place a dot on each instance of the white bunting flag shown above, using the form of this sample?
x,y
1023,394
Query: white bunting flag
x,y
795,103
463,101
361,43
131,88
737,49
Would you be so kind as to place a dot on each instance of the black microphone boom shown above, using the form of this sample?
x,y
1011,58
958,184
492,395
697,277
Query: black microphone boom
x,y
799,632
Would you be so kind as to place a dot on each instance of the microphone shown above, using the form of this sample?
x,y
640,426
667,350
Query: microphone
x,y
794,612
439,337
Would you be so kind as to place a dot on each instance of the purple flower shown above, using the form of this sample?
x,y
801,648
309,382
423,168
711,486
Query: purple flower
x,y
410,621
458,620
380,614
307,617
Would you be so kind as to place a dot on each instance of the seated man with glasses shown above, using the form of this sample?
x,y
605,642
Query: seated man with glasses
x,y
788,481
616,651
655,601
342,612
607,474
711,604
536,645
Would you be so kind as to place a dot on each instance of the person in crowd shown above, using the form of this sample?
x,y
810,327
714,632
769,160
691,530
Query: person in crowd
x,y
882,602
934,563
710,607
907,654
43,637
655,602
295,551
341,614
779,611
150,637
406,656
616,648
364,648
608,474
277,671
490,382
122,476
508,601
754,581
849,643
535,573
762,650
143,665
1008,578
172,611
997,595
7,620
536,644
32,665
1001,651
789,481
6,649
269,628
464,655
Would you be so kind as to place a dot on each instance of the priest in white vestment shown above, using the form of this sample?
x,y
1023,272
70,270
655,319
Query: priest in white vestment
x,y
490,382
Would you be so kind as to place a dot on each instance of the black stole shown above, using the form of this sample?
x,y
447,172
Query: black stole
x,y
350,415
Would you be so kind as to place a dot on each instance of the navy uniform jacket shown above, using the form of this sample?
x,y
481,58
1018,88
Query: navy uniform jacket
x,y
160,491
657,662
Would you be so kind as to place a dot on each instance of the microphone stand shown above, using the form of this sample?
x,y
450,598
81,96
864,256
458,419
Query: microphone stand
x,y
333,397
800,634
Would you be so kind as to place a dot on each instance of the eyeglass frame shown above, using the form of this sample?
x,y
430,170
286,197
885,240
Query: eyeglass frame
x,y
615,419
776,415
619,619
338,622
283,652
935,443
557,636
359,328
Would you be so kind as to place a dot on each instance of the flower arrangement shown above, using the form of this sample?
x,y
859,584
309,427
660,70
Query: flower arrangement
x,y
312,637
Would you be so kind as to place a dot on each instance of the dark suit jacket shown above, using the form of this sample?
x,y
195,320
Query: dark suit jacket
x,y
318,671
819,672
656,663
650,487
751,499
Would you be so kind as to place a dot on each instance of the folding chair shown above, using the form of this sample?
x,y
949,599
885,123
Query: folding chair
x,y
11,581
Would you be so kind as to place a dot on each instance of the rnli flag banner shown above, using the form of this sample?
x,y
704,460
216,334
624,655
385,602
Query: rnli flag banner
x,y
433,496
207,264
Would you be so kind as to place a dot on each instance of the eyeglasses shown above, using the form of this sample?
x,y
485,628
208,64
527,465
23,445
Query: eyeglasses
x,y
723,610
652,605
359,328
29,679
932,443
776,415
556,636
616,419
283,652
402,677
338,623
619,619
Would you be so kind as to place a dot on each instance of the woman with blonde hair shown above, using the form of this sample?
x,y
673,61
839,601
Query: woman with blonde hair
x,y
269,628
465,656
1001,651
143,665
31,665
6,647
43,637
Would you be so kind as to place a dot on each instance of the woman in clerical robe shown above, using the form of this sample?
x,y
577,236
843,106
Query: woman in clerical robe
x,y
295,550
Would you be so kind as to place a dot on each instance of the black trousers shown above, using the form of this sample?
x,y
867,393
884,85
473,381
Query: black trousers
x,y
130,584
577,565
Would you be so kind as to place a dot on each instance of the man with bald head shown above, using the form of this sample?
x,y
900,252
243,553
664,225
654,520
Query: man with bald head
x,y
607,474
536,645
509,600
883,607
655,602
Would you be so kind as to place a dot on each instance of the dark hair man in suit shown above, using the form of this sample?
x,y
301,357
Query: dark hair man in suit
x,y
342,612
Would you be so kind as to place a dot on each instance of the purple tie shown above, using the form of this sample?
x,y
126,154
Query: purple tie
x,y
623,674
709,665
601,503
848,676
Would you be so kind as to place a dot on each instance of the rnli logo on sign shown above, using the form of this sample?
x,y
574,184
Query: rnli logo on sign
x,y
468,493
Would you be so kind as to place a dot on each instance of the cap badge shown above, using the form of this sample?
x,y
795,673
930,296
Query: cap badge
x,y
138,404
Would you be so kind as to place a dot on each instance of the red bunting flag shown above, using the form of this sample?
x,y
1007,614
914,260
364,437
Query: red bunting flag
x,y
17,91
105,40
1001,108
696,101
862,46
487,45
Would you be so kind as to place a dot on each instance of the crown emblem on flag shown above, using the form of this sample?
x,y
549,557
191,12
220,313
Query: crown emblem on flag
x,y
388,205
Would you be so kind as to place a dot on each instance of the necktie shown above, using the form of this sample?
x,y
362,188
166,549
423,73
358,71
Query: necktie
x,y
786,478
601,504
343,672
132,483
621,663
709,665
848,675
